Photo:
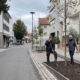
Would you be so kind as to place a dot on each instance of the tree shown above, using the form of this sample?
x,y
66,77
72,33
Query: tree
x,y
63,12
40,34
35,33
19,29
56,40
73,32
3,6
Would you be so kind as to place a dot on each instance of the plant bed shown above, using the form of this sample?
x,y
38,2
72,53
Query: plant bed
x,y
70,71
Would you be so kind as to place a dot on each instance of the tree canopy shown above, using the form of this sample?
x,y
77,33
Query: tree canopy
x,y
35,33
73,32
19,29
4,6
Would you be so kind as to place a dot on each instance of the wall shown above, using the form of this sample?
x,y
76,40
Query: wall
x,y
1,21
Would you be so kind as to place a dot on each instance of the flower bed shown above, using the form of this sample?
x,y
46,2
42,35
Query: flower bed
x,y
70,71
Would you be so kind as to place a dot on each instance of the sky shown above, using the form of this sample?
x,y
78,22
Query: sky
x,y
20,9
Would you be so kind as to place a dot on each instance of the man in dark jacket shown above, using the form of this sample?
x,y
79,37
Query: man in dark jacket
x,y
50,48
72,45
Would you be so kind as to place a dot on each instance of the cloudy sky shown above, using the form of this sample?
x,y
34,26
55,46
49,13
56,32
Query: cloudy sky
x,y
20,9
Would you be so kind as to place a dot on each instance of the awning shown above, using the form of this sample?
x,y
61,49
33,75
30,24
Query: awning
x,y
6,35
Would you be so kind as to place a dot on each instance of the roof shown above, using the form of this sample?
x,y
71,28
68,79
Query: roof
x,y
44,21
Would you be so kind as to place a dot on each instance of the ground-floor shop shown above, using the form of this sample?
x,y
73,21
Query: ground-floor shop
x,y
4,40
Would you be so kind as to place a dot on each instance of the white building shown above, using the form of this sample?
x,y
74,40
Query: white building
x,y
74,15
45,25
57,16
6,27
55,20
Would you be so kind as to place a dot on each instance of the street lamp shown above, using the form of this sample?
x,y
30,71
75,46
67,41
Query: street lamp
x,y
32,27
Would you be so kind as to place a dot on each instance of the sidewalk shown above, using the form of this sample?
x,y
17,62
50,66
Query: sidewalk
x,y
4,49
38,59
76,55
1,50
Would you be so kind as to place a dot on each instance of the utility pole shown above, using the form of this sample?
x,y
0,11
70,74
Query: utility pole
x,y
65,34
32,27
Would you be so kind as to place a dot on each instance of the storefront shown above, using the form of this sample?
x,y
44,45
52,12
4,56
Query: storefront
x,y
6,40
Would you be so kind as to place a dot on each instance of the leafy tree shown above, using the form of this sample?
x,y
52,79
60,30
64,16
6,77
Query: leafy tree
x,y
57,40
19,30
73,32
35,33
40,34
3,6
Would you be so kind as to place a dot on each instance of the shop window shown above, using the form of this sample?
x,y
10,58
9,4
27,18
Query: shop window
x,y
5,27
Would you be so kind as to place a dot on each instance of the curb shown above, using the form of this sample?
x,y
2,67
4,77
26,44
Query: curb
x,y
56,72
43,71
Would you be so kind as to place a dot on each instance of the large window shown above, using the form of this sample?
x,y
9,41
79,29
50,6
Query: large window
x,y
6,17
5,27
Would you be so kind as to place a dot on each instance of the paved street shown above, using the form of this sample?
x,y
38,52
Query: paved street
x,y
16,64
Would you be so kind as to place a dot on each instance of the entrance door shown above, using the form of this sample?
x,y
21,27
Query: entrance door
x,y
53,35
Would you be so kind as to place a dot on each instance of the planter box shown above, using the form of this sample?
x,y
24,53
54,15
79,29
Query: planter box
x,y
57,74
72,72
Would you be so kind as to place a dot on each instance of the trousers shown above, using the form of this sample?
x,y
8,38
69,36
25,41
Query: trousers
x,y
71,56
48,56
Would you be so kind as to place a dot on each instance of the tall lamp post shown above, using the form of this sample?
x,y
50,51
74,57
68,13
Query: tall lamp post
x,y
32,27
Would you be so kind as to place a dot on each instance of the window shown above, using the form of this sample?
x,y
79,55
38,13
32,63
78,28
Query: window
x,y
45,33
45,26
5,17
5,27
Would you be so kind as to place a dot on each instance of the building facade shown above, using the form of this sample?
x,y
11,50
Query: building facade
x,y
55,18
6,27
57,12
45,25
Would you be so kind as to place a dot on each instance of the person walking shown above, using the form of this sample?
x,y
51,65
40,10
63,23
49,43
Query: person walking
x,y
50,48
72,45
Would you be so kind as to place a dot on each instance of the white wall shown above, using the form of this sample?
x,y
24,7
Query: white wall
x,y
1,21
46,33
74,23
11,28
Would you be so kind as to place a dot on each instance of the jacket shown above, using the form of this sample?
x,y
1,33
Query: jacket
x,y
49,46
72,45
